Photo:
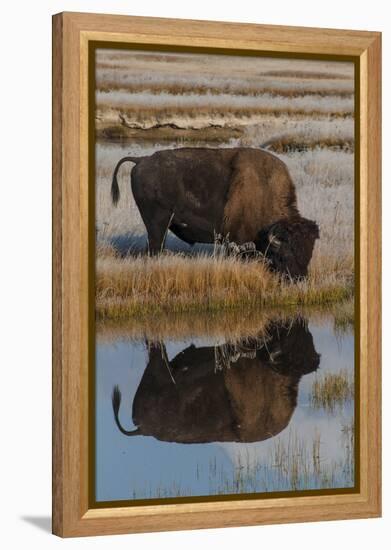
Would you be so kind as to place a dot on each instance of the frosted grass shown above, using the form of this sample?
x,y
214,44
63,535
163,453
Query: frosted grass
x,y
163,100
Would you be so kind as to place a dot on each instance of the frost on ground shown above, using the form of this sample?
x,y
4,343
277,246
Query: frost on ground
x,y
300,110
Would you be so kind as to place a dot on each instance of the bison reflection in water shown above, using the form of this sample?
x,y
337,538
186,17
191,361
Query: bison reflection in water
x,y
242,392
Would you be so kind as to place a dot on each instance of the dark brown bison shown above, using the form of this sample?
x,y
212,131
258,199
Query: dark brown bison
x,y
244,194
245,392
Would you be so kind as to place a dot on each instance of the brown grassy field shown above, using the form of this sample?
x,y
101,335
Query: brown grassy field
x,y
300,110
130,286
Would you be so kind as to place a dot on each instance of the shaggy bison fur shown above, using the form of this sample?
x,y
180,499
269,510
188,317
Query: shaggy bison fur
x,y
243,194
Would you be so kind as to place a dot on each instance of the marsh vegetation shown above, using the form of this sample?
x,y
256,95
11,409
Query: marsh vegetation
x,y
332,390
305,424
301,111
230,324
133,286
191,302
293,463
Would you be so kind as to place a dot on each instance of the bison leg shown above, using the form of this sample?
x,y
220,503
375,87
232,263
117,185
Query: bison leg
x,y
157,229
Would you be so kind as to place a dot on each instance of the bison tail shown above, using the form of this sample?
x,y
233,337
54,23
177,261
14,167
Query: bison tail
x,y
115,194
115,190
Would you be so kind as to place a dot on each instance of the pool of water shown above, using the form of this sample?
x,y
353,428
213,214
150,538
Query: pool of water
x,y
201,416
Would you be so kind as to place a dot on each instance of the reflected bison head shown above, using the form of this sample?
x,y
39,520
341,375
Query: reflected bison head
x,y
288,246
241,392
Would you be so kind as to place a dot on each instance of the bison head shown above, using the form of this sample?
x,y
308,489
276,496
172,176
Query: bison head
x,y
287,245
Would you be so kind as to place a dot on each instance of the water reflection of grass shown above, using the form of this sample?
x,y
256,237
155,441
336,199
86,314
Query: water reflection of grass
x,y
230,325
331,390
292,463
344,317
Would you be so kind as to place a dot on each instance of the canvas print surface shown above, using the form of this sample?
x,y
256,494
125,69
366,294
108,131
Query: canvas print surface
x,y
224,276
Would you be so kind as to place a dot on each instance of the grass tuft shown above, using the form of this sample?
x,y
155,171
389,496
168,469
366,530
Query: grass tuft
x,y
332,390
133,286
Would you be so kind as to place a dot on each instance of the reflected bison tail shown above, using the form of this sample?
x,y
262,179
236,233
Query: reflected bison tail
x,y
116,402
115,194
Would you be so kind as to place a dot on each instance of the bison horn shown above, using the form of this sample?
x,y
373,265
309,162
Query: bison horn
x,y
274,355
274,241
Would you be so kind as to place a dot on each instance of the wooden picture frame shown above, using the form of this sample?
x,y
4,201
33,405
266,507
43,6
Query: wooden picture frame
x,y
72,260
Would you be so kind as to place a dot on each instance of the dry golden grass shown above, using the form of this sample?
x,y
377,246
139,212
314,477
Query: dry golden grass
x,y
332,390
131,67
299,109
133,286
287,144
210,135
244,65
204,89
321,75
168,115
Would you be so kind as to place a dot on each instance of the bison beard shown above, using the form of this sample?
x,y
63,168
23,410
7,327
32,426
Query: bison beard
x,y
243,194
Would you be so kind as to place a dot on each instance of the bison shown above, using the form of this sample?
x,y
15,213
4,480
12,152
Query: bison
x,y
245,392
243,194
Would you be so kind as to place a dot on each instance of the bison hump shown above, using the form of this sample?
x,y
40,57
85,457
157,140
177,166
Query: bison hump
x,y
261,192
